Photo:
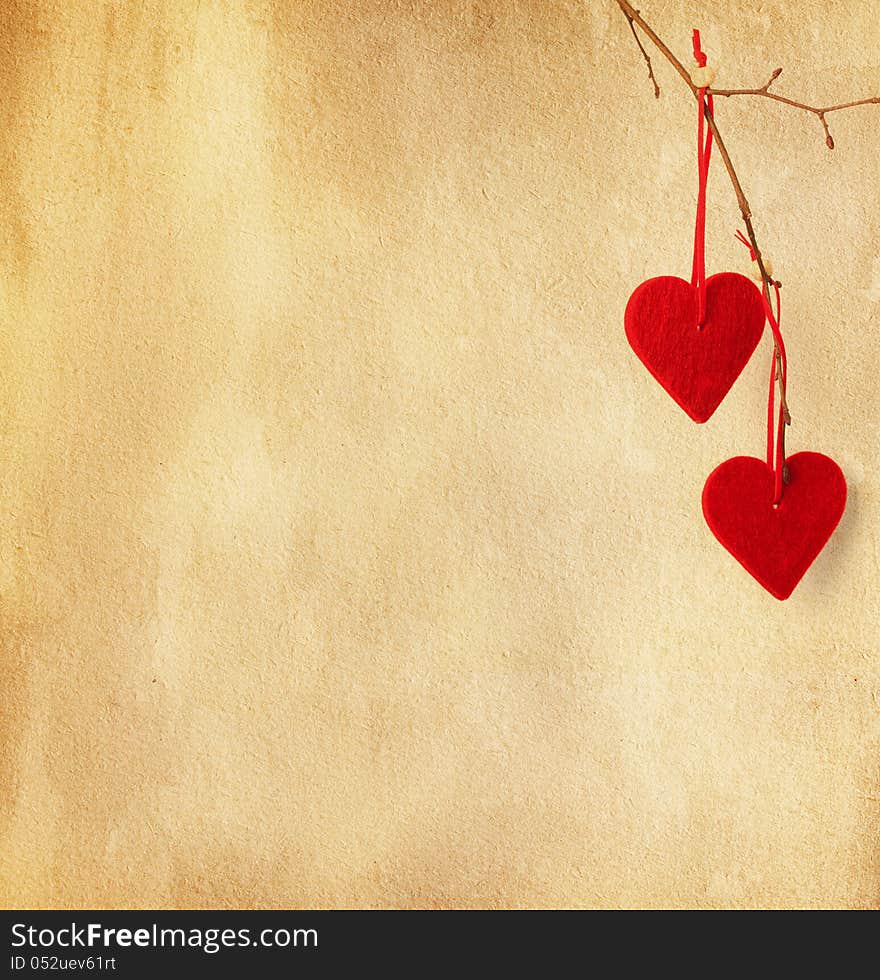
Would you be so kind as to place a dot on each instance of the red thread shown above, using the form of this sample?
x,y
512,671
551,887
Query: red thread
x,y
704,153
775,459
740,237
771,401
699,56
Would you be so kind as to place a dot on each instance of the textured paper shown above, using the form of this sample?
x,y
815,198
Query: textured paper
x,y
349,556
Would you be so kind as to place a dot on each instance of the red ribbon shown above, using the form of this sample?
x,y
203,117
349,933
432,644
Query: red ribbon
x,y
704,153
775,451
775,458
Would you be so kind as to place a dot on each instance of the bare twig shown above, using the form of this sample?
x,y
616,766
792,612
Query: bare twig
x,y
819,111
645,55
634,18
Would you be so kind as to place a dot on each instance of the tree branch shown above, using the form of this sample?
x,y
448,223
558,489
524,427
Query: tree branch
x,y
645,55
819,111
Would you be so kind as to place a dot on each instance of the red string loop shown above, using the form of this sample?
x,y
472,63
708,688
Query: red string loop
x,y
699,55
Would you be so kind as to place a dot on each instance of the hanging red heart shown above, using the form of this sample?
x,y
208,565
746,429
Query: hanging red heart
x,y
696,365
775,544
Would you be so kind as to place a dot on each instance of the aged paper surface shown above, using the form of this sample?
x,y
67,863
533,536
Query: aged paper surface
x,y
349,556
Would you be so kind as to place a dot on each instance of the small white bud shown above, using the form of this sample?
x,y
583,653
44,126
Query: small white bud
x,y
755,272
703,77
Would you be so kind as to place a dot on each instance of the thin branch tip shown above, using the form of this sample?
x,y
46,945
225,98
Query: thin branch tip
x,y
645,55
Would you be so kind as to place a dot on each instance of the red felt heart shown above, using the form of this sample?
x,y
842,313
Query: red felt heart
x,y
696,365
776,545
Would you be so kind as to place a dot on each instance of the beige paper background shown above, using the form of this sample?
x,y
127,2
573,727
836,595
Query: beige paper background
x,y
349,557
